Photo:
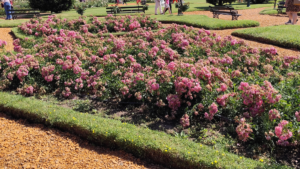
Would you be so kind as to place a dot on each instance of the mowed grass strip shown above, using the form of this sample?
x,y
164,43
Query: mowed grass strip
x,y
203,21
283,35
142,142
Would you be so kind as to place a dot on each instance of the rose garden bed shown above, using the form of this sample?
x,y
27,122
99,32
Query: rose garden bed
x,y
179,74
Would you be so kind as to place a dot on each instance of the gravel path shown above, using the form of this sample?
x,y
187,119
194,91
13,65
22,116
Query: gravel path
x,y
6,35
24,145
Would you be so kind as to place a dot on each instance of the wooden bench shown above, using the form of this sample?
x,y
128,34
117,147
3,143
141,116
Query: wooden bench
x,y
280,7
15,13
126,9
224,10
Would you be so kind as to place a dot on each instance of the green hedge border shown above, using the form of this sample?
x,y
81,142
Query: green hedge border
x,y
201,25
157,146
239,33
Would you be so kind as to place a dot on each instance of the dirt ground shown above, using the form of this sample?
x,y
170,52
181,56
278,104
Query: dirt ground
x,y
25,145
6,35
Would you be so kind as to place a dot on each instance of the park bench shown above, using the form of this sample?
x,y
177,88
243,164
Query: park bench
x,y
33,12
224,10
126,9
280,7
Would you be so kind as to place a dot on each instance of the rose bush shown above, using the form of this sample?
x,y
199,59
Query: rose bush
x,y
53,24
188,73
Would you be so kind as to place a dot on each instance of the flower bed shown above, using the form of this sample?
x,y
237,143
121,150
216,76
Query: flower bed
x,y
94,25
184,73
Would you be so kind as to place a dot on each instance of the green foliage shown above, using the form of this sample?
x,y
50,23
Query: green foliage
x,y
181,135
184,7
220,2
157,146
80,10
259,1
82,106
52,5
283,35
146,7
92,3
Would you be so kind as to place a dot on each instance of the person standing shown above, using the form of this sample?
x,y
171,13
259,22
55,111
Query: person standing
x,y
167,6
170,4
291,11
7,7
124,2
157,5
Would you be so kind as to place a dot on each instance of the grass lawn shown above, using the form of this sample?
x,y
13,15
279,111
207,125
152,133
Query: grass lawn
x,y
283,35
206,22
270,11
11,23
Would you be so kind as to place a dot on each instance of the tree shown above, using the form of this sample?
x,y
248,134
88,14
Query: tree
x,y
219,2
51,5
259,1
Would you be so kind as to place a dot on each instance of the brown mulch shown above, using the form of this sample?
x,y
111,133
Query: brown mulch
x,y
25,145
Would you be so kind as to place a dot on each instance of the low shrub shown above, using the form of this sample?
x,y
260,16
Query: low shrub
x,y
91,4
52,5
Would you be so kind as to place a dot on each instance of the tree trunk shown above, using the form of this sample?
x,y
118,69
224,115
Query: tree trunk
x,y
220,3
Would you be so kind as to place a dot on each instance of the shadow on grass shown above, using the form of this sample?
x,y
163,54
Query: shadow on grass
x,y
29,16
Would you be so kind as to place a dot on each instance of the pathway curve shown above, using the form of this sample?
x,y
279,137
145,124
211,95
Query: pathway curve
x,y
264,20
6,35
24,145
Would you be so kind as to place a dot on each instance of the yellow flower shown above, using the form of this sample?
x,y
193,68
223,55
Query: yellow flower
x,y
223,154
166,150
216,161
93,131
212,162
217,151
54,110
125,139
241,157
170,148
200,145
261,160
50,112
189,152
93,119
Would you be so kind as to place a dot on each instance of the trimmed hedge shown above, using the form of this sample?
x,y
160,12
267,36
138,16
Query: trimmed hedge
x,y
283,35
271,11
158,146
205,22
